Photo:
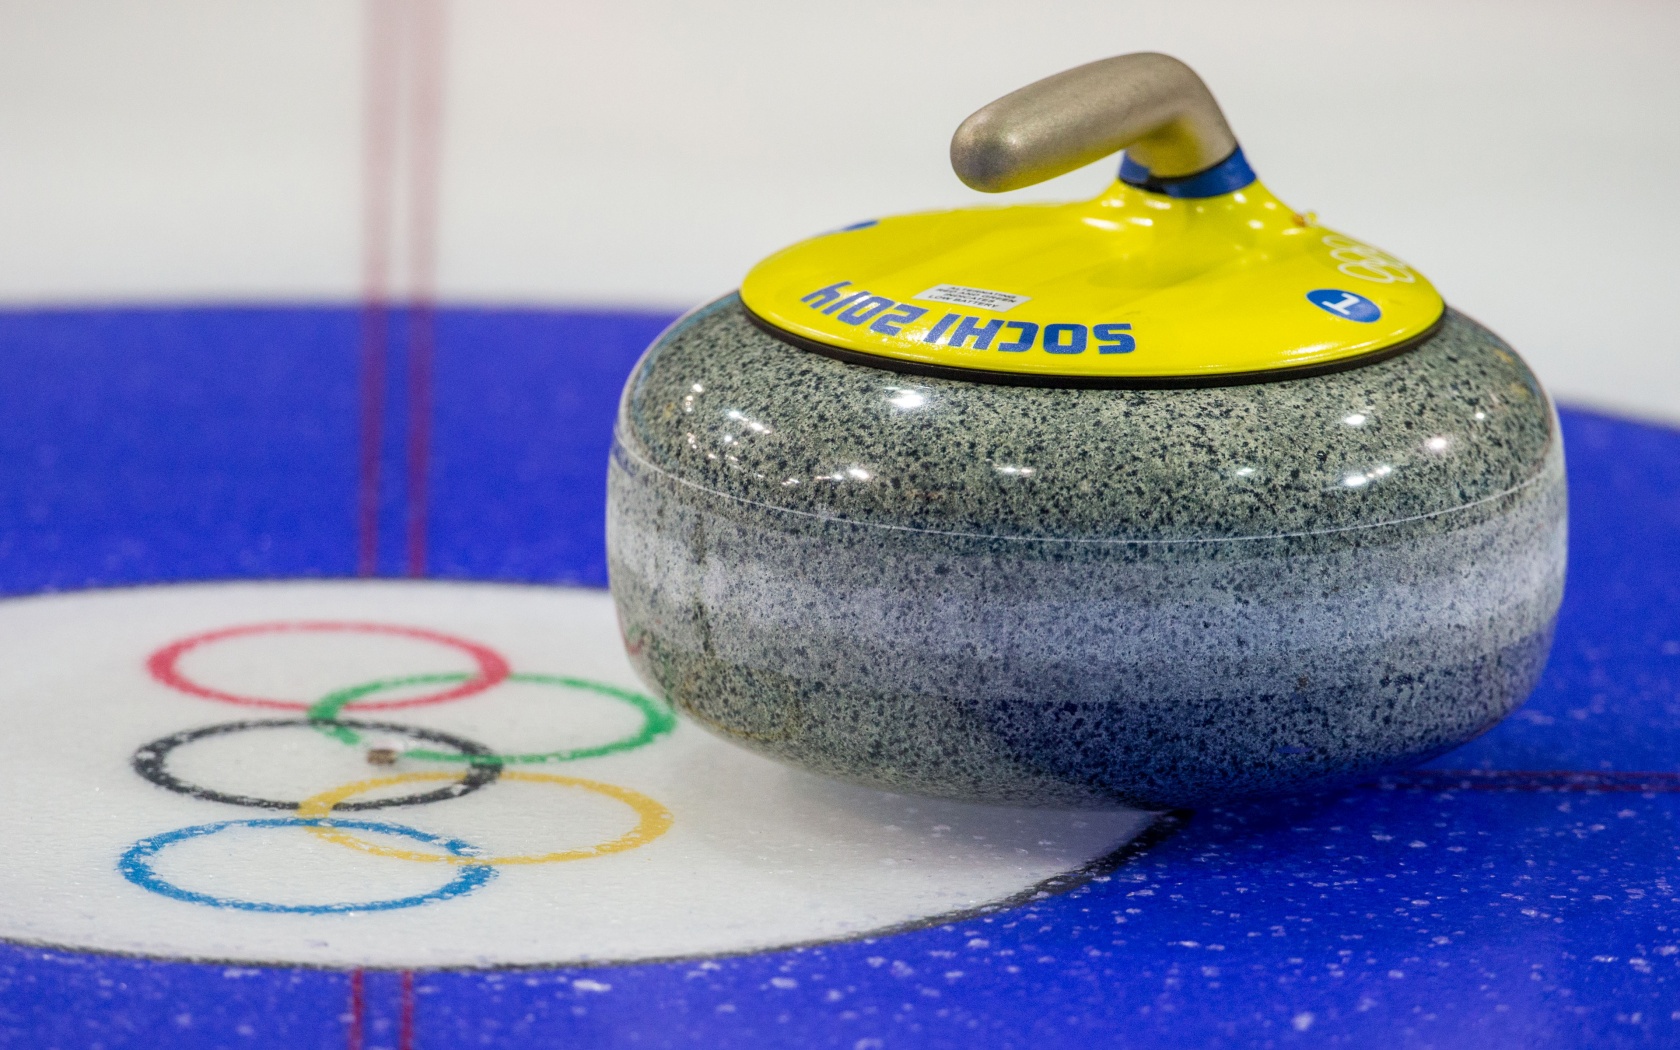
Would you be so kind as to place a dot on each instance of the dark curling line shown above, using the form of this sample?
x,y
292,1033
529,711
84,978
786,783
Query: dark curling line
x,y
981,375
1542,780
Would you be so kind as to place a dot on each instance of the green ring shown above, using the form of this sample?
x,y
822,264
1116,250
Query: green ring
x,y
657,719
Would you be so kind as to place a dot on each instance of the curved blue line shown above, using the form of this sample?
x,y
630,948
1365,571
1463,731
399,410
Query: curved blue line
x,y
136,866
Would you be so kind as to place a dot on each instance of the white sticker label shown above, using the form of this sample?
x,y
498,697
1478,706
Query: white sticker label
x,y
981,298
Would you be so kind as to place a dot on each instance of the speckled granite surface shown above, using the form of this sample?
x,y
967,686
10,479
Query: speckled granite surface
x,y
1468,906
1156,598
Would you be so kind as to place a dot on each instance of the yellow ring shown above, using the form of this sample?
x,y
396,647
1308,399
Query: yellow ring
x,y
655,819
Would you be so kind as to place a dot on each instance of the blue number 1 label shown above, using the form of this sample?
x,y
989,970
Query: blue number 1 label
x,y
1344,304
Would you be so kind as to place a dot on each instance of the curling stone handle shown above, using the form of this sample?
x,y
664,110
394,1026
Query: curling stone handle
x,y
1151,105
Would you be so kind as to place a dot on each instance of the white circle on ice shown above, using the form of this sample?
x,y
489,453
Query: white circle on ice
x,y
757,856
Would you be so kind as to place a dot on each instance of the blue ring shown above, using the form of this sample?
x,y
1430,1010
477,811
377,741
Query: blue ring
x,y
1228,176
136,866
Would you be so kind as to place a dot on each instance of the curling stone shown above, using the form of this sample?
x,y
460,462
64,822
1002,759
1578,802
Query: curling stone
x,y
1153,500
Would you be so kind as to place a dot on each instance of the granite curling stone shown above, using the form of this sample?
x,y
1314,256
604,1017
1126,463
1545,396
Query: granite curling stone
x,y
1127,587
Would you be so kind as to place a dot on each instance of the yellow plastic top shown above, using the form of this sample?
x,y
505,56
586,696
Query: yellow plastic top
x,y
1134,285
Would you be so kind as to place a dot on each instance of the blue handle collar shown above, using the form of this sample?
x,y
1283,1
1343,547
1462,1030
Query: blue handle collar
x,y
1229,175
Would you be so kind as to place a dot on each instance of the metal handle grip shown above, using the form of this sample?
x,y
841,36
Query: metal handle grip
x,y
1151,105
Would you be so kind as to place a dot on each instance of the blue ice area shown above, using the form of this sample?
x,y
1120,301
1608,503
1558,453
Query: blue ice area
x,y
68,1001
1611,695
154,445
159,445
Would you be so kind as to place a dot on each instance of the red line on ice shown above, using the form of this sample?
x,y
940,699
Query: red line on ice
x,y
353,1036
405,1022
381,81
425,154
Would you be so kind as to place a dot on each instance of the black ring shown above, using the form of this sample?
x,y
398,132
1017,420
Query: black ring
x,y
150,759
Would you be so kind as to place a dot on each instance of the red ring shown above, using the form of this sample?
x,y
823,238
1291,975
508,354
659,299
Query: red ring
x,y
492,668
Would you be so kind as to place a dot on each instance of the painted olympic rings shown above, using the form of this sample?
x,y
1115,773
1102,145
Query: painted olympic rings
x,y
653,819
136,867
151,761
482,768
164,664
657,719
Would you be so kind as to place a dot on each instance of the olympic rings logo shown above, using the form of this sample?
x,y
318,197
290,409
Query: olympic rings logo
x,y
465,767
1367,263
